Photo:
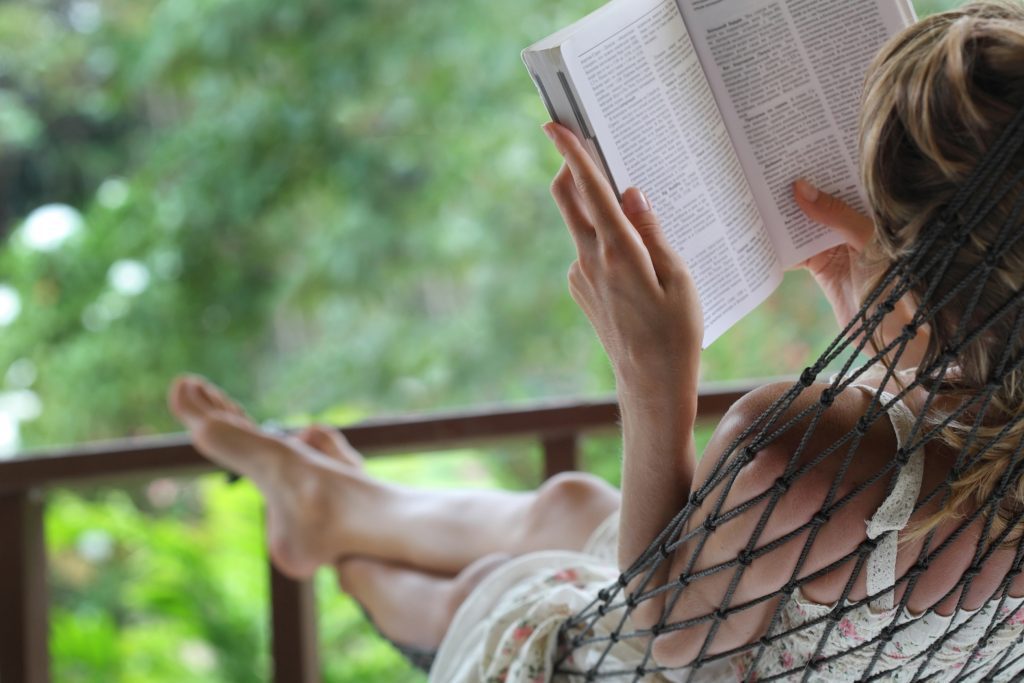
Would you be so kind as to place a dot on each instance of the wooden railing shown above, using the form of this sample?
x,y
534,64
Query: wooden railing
x,y
24,599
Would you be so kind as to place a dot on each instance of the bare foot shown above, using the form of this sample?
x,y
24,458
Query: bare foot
x,y
310,491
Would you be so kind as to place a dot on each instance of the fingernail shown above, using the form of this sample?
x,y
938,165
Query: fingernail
x,y
635,201
549,130
807,191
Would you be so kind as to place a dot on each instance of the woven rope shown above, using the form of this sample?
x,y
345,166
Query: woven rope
x,y
929,263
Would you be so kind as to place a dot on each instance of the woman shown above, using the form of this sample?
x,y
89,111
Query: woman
x,y
495,576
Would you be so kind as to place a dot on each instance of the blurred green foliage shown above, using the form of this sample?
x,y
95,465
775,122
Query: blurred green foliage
x,y
334,209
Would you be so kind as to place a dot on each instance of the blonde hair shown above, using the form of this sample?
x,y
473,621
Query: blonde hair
x,y
935,101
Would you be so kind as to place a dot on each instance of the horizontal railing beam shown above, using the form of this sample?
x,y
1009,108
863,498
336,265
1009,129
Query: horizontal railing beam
x,y
150,456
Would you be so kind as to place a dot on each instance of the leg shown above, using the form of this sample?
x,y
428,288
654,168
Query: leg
x,y
411,608
323,507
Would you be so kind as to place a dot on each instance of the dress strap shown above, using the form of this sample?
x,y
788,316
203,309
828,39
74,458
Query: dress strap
x,y
894,513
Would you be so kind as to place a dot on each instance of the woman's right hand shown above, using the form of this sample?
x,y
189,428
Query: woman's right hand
x,y
633,287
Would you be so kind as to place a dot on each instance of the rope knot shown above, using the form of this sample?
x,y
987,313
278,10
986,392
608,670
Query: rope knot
x,y
821,517
807,377
887,306
603,595
868,546
709,525
909,331
720,614
903,457
745,558
683,580
863,425
781,485
828,397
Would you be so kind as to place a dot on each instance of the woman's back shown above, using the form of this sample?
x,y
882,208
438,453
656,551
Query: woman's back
x,y
836,529
879,513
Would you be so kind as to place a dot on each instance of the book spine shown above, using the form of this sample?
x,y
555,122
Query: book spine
x,y
586,131
544,96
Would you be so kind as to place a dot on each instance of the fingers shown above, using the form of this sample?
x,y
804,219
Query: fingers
x,y
594,189
570,204
821,207
638,210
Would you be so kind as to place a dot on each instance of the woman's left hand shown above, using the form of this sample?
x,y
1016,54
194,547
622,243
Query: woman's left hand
x,y
635,289
839,273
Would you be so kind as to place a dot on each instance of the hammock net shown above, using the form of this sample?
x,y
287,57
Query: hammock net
x,y
938,257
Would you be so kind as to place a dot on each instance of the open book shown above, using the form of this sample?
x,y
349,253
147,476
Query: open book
x,y
714,108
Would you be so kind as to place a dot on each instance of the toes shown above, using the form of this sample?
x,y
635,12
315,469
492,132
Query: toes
x,y
216,396
320,438
185,401
193,397
331,442
174,397
213,397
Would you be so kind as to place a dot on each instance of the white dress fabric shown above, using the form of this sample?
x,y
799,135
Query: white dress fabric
x,y
507,629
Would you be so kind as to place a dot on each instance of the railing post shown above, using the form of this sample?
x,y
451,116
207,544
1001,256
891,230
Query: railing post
x,y
560,454
24,596
293,630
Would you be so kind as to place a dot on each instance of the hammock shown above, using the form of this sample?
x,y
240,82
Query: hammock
x,y
926,266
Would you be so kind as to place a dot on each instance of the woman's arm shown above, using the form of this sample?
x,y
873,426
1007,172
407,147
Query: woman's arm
x,y
640,298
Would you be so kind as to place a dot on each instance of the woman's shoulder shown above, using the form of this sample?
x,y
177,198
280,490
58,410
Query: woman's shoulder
x,y
798,432
803,468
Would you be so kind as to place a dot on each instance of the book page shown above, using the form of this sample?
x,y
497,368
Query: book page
x,y
788,76
647,101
